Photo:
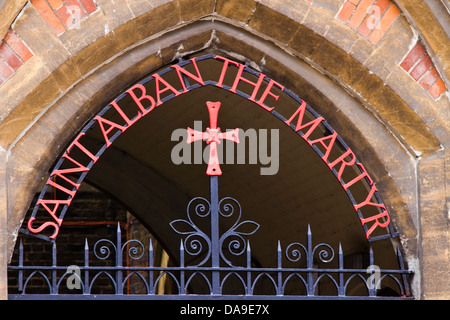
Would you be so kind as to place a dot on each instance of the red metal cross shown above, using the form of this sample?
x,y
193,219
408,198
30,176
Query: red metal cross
x,y
213,137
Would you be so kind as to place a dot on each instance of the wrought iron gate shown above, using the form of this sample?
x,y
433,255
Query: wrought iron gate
x,y
215,258
215,277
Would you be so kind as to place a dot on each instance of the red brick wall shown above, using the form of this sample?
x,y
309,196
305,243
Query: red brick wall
x,y
13,54
370,18
61,15
421,68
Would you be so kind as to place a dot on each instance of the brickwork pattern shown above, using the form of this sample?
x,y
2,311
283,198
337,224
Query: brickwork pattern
x,y
13,54
370,18
61,15
421,68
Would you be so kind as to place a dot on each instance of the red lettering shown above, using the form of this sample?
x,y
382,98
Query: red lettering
x,y
344,163
224,69
123,115
112,126
267,92
168,87
42,227
71,193
377,218
300,126
181,71
144,96
364,174
52,212
77,143
56,203
239,78
367,202
61,173
327,147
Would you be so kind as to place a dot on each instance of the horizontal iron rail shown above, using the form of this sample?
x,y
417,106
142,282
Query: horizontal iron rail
x,y
197,269
214,274
192,297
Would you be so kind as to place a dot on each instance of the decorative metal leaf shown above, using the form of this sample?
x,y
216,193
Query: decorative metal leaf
x,y
182,227
246,228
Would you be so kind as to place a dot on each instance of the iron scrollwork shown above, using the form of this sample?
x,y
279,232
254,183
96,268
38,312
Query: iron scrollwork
x,y
193,242
236,242
231,241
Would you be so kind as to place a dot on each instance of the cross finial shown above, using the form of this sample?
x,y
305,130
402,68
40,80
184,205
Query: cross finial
x,y
213,135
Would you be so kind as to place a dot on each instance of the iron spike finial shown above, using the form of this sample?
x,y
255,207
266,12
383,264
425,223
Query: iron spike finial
x,y
181,245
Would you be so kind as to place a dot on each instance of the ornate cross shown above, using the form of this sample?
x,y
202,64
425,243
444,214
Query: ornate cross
x,y
213,135
214,207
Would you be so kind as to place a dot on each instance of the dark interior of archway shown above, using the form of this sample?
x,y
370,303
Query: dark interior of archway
x,y
139,171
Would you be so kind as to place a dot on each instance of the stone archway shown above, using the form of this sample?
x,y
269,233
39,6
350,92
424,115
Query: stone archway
x,y
85,67
131,161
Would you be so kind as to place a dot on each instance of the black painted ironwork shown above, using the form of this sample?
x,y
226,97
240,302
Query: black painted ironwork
x,y
212,257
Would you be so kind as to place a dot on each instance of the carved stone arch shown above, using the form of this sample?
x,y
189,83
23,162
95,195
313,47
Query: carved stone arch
x,y
86,75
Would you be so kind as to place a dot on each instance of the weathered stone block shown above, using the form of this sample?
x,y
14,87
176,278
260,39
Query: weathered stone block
x,y
273,24
194,9
237,10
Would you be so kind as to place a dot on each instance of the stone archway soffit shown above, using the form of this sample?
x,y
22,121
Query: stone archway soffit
x,y
427,24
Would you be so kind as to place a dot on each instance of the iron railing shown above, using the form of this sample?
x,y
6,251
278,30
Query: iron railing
x,y
276,279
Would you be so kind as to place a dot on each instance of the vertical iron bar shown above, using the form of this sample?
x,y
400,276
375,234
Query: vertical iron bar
x,y
249,274
119,275
54,263
86,268
151,285
309,262
372,289
279,273
182,288
341,274
215,250
20,266
402,267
